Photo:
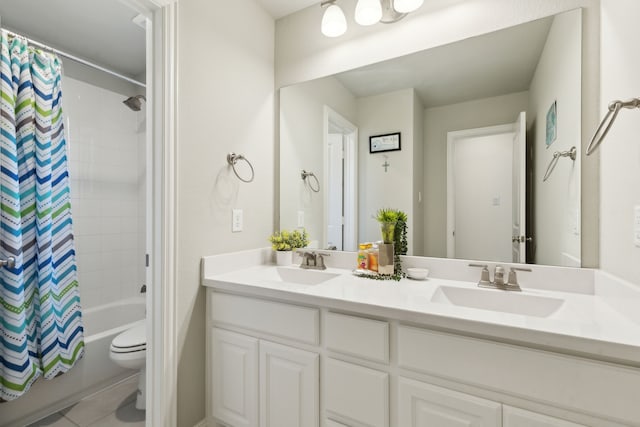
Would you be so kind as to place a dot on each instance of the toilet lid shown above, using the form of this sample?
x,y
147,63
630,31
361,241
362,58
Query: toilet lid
x,y
134,339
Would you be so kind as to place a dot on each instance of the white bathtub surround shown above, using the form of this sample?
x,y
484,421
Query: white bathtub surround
x,y
92,373
107,172
589,341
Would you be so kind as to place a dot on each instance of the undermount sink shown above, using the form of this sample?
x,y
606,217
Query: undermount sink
x,y
497,300
304,277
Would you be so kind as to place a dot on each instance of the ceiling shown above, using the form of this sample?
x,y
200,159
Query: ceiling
x,y
103,32
495,64
280,8
99,31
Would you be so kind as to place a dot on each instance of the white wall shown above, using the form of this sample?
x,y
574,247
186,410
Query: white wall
x,y
106,167
303,53
378,115
438,122
225,103
556,202
620,169
301,147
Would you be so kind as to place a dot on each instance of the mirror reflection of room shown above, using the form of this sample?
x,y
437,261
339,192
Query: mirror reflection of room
x,y
479,121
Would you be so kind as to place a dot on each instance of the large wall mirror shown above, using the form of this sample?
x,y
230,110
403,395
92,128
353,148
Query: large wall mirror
x,y
479,152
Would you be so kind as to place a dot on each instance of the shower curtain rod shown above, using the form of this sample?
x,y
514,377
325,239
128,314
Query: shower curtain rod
x,y
76,59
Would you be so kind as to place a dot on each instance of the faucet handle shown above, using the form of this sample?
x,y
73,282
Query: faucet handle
x,y
513,277
484,275
320,258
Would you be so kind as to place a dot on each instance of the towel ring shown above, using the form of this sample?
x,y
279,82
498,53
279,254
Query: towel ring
x,y
306,175
607,122
572,154
232,159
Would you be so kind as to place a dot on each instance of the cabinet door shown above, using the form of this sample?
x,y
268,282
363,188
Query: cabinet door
x,y
289,386
426,405
515,417
234,378
356,393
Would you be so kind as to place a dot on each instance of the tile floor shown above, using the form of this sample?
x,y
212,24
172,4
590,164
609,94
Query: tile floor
x,y
113,407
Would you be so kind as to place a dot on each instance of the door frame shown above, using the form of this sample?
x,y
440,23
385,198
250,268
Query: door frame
x,y
161,301
350,205
452,138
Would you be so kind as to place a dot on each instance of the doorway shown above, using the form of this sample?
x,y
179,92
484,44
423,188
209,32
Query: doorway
x,y
340,179
485,193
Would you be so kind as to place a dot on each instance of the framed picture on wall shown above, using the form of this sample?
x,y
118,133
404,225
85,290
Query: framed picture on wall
x,y
386,142
552,123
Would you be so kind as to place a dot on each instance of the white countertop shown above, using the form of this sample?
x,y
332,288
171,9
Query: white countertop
x,y
584,325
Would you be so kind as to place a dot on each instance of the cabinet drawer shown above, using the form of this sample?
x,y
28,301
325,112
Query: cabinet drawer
x,y
356,336
516,417
356,393
549,378
273,318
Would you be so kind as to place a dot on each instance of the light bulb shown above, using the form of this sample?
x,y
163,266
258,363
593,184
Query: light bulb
x,y
368,12
334,23
406,6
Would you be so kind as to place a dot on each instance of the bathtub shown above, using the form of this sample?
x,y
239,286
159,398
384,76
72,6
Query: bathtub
x,y
93,372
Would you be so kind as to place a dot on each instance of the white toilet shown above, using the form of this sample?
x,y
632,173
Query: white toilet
x,y
129,350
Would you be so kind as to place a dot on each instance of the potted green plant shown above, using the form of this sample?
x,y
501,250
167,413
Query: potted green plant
x,y
284,242
387,219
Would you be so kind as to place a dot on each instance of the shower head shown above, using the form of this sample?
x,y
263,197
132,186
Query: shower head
x,y
134,102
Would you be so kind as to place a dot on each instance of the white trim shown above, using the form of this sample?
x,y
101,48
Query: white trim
x,y
202,423
162,364
452,137
165,370
350,179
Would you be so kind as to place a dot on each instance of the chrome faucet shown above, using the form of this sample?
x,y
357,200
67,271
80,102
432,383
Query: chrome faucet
x,y
313,260
498,278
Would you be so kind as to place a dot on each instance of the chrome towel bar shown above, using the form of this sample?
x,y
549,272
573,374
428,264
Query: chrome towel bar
x,y
572,153
232,159
607,122
306,175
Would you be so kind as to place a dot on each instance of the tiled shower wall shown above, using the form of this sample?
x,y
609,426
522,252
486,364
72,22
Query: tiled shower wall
x,y
107,171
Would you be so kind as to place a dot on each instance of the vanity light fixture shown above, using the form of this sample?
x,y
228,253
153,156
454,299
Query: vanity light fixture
x,y
368,12
407,6
334,23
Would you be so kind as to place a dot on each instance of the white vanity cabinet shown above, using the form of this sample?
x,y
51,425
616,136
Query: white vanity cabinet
x,y
269,366
253,381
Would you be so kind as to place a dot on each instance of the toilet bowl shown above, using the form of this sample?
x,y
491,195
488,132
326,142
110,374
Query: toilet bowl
x,y
129,350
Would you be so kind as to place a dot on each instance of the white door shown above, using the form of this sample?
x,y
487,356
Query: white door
x,y
335,191
519,199
480,182
289,386
234,378
516,417
425,405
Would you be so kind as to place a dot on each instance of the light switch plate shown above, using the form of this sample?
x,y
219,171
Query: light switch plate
x,y
636,226
236,220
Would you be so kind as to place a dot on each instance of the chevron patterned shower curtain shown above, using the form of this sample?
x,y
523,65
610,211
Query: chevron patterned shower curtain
x,y
41,332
